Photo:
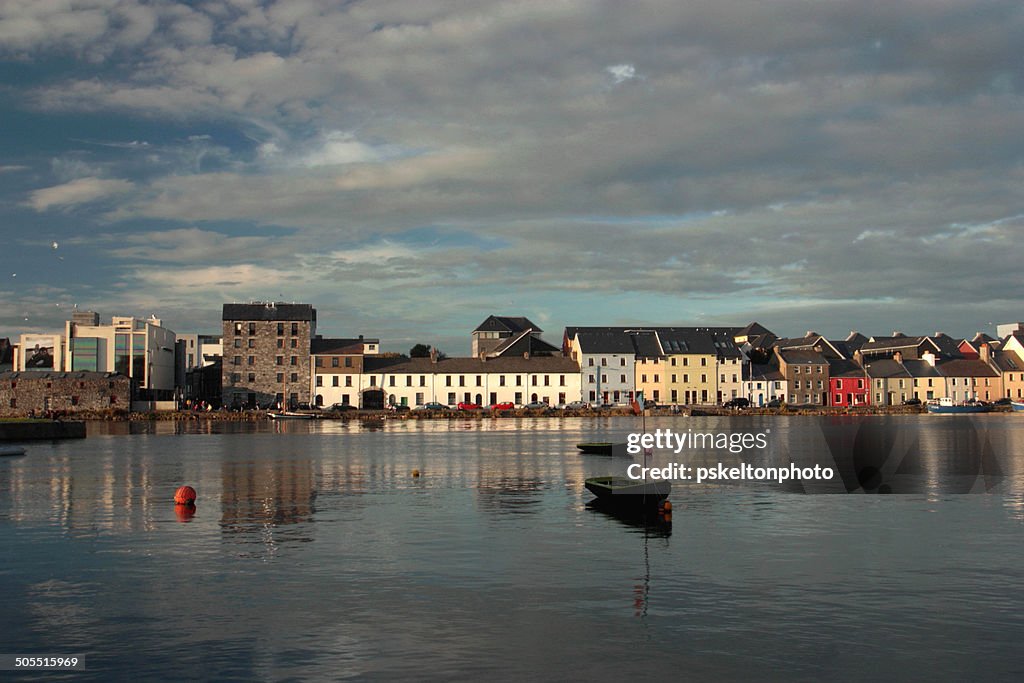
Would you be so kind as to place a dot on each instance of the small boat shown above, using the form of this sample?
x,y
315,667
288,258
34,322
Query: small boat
x,y
631,492
290,415
596,447
1017,405
945,406
11,450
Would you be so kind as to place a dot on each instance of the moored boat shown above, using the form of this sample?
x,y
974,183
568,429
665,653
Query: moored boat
x,y
11,450
1017,405
945,406
290,415
625,491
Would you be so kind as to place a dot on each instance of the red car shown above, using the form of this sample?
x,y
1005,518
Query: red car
x,y
468,406
507,405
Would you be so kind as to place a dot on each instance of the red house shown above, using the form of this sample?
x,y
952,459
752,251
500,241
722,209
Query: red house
x,y
848,384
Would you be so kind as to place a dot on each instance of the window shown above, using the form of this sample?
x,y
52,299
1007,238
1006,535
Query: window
x,y
622,362
280,329
408,380
295,360
280,343
604,361
561,382
519,382
280,377
252,328
533,380
238,343
14,403
319,381
373,381
643,378
318,362
348,362
590,379
448,380
392,380
796,370
334,381
423,380
501,380
479,381
237,360
462,380
348,381
238,328
252,360
279,360
334,362
235,377
451,397
252,376
673,360
252,343
295,329
622,379
590,362
547,380
686,361
703,361
703,379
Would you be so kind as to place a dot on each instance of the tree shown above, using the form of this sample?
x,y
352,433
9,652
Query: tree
x,y
419,351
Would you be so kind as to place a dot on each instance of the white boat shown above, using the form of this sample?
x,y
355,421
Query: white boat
x,y
290,415
946,406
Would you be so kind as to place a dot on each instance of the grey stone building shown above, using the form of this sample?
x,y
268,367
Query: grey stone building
x,y
42,392
266,357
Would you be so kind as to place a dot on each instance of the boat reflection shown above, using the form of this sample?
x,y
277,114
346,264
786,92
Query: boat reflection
x,y
651,522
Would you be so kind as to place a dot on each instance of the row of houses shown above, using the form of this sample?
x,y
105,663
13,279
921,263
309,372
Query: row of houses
x,y
270,354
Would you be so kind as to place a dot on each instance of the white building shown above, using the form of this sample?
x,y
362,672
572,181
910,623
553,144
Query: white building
x,y
416,381
607,362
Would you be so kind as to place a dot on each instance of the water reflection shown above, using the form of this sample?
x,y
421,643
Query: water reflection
x,y
260,497
515,495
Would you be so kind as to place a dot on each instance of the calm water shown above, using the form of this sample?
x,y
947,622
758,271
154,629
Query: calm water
x,y
314,554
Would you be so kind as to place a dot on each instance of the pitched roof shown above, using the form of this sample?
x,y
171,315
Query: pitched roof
x,y
961,367
840,367
502,323
521,343
879,368
887,345
1008,361
463,365
320,345
802,357
766,373
920,368
269,311
754,329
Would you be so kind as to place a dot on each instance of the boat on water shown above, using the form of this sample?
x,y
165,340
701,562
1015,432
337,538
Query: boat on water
x,y
11,450
290,415
946,406
1017,405
602,448
631,492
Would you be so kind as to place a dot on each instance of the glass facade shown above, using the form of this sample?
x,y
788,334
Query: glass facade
x,y
139,358
121,354
85,354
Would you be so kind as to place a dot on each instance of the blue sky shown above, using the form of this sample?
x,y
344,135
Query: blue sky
x,y
411,166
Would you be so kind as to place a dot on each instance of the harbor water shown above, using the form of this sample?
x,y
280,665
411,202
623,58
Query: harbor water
x,y
313,553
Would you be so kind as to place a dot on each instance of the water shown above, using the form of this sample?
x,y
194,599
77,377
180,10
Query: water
x,y
314,554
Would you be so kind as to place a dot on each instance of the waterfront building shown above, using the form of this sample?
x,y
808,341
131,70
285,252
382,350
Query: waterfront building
x,y
764,383
1011,365
972,379
807,375
482,381
890,381
606,358
497,332
848,384
337,367
267,357
41,392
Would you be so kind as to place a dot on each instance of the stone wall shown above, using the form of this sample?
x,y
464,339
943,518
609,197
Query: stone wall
x,y
258,361
39,392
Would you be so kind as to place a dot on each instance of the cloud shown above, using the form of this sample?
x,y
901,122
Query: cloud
x,y
79,191
13,168
621,73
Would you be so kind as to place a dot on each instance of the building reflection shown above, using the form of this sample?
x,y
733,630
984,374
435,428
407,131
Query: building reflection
x,y
267,501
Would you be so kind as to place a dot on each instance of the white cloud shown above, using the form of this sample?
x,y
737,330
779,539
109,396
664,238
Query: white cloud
x,y
339,148
622,72
79,191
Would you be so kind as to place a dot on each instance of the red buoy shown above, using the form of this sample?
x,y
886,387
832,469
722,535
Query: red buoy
x,y
185,495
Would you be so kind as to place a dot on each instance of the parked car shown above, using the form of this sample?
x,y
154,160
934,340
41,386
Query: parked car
x,y
399,408
650,403
1003,401
737,402
912,402
536,405
505,405
341,407
775,403
576,405
468,406
433,406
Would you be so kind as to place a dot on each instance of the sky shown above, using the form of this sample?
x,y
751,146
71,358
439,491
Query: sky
x,y
412,166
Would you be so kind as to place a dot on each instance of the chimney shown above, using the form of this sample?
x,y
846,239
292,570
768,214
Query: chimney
x,y
929,358
858,357
526,354
898,357
433,355
986,352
